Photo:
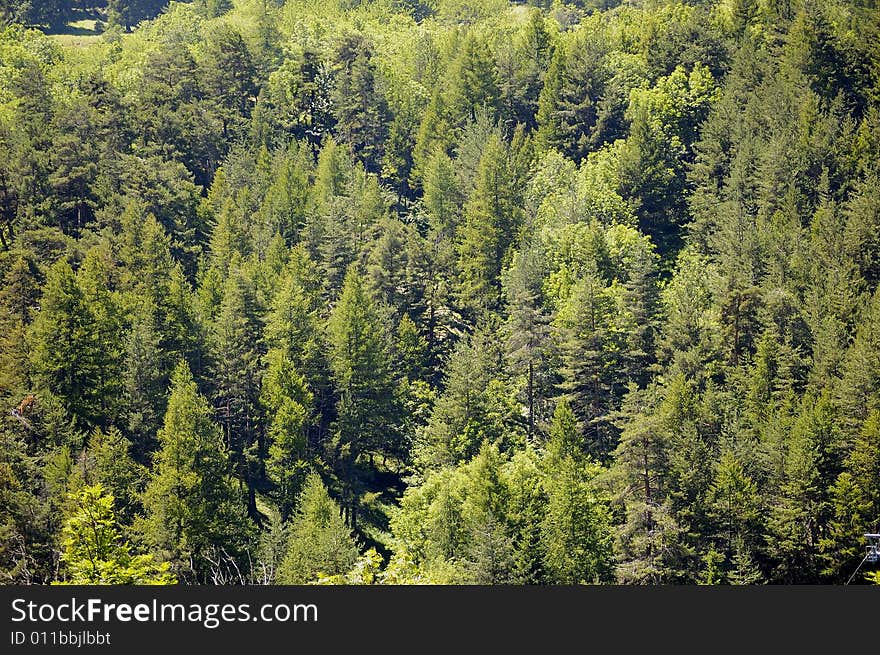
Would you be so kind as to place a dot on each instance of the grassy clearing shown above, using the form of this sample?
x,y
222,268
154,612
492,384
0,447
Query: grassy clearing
x,y
76,40
82,32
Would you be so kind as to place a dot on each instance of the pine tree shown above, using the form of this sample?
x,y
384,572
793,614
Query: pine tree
x,y
360,108
648,540
288,199
855,500
590,362
66,353
473,84
736,507
300,93
128,13
236,379
288,401
532,53
434,135
19,297
567,105
491,223
214,8
398,160
526,505
292,326
489,558
442,197
461,420
800,516
145,381
229,78
576,530
115,469
527,329
488,547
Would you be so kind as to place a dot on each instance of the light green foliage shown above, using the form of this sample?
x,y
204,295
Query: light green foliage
x,y
93,551
576,531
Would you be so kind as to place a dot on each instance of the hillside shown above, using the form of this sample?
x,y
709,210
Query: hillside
x,y
398,292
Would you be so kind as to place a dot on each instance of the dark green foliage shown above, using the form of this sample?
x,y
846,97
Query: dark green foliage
x,y
361,110
568,106
75,348
367,412
128,13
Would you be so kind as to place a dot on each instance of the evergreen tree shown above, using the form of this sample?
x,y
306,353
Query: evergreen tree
x,y
67,356
229,78
528,329
590,362
737,511
195,515
801,515
236,380
576,530
473,84
361,110
367,420
288,401
128,13
109,455
145,381
492,220
567,106
319,541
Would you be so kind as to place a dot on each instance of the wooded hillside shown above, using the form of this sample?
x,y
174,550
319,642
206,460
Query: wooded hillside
x,y
452,292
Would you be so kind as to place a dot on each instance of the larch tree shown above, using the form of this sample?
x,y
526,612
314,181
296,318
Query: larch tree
x,y
195,513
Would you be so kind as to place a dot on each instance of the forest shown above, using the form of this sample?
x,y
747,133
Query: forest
x,y
439,292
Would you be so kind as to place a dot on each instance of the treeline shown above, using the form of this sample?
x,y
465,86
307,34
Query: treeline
x,y
120,14
397,292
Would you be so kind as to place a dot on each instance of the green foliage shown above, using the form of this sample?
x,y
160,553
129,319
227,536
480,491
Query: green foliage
x,y
93,551
195,516
545,292
75,350
286,397
576,530
367,406
319,543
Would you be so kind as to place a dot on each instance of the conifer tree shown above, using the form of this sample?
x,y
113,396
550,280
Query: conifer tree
x,y
193,507
319,542
288,401
366,411
567,106
360,108
66,353
236,379
491,222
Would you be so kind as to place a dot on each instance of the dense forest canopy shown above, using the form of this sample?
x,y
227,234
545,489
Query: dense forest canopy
x,y
404,291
